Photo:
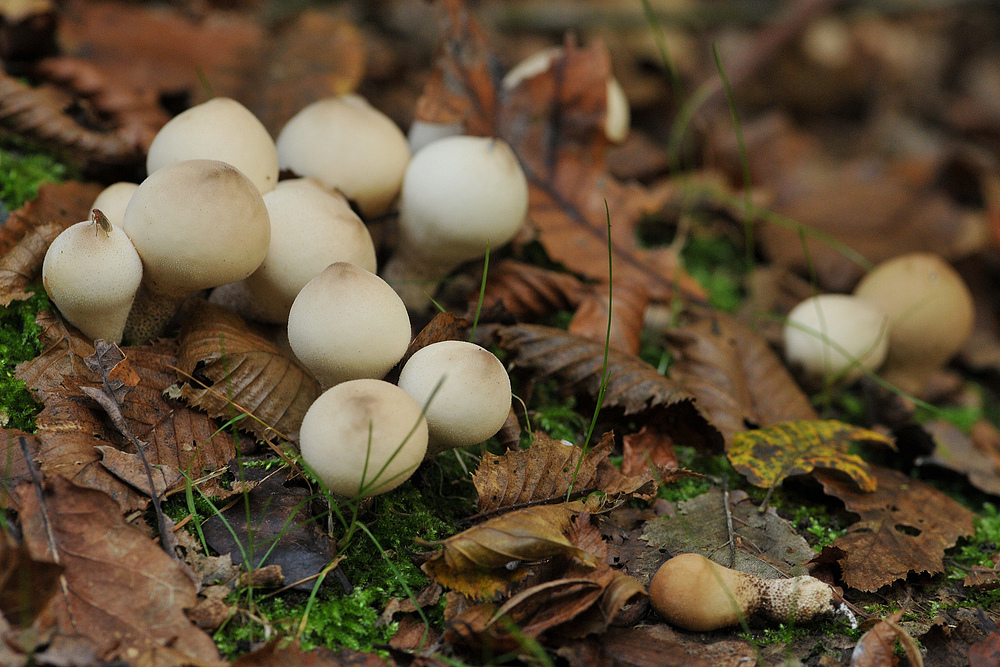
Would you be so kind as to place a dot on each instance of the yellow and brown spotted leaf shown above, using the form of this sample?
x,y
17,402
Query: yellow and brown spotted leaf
x,y
547,470
767,456
474,561
239,369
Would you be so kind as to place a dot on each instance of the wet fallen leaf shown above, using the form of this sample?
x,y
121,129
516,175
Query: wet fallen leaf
x,y
547,470
135,600
905,526
236,371
768,456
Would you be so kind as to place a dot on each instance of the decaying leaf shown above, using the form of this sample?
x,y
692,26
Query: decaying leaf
x,y
905,526
877,647
26,584
236,371
530,292
648,447
444,326
547,470
627,303
474,561
633,385
768,456
134,600
956,451
278,653
63,352
655,646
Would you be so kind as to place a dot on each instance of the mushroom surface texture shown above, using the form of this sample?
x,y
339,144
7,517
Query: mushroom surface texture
x,y
311,228
464,390
219,129
422,133
618,116
345,143
696,594
113,200
196,224
363,437
347,324
460,196
91,272
826,334
930,312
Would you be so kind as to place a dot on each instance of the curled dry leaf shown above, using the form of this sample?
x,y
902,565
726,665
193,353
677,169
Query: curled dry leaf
x,y
234,368
877,647
627,302
905,526
444,326
548,470
530,292
633,385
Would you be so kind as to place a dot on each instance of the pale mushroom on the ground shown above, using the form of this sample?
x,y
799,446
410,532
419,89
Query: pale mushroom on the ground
x,y
113,200
835,338
348,324
196,224
363,437
219,129
347,144
464,389
91,272
460,196
930,313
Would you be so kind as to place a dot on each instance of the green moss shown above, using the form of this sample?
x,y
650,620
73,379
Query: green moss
x,y
21,174
719,267
976,550
19,342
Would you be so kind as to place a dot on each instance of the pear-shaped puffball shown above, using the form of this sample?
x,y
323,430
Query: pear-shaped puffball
x,y
113,200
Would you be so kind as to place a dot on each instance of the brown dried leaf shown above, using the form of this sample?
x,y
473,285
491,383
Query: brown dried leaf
x,y
21,267
905,526
957,452
530,292
63,352
877,647
547,470
633,385
238,369
444,326
26,584
277,654
655,646
135,600
627,302
473,562
647,446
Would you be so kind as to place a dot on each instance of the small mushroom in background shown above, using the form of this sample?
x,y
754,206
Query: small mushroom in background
x,y
930,312
464,389
618,116
348,324
112,201
196,224
219,129
835,338
311,228
363,437
347,144
91,272
423,132
460,196
696,594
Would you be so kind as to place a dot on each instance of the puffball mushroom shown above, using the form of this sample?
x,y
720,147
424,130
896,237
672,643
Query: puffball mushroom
x,y
617,116
196,224
464,389
311,228
91,272
219,129
112,200
696,594
363,437
348,324
930,312
826,334
345,143
460,195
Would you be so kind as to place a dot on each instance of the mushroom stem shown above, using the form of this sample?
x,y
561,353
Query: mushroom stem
x,y
150,315
414,278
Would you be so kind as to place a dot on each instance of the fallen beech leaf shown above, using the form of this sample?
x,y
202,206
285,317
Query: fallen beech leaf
x,y
648,446
547,470
135,600
627,303
474,561
444,326
130,469
529,292
633,385
21,266
240,370
655,646
905,526
955,451
768,456
63,352
986,653
276,653
877,647
26,584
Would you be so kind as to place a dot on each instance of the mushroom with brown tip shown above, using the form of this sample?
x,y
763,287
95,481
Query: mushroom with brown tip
x,y
464,388
348,324
363,437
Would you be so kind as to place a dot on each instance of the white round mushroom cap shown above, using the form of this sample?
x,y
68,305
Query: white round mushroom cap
x,y
311,228
197,224
92,276
219,129
459,195
113,200
347,324
464,389
363,437
826,334
347,144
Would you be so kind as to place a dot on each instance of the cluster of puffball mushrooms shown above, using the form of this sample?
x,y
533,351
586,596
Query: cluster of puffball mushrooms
x,y
211,214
